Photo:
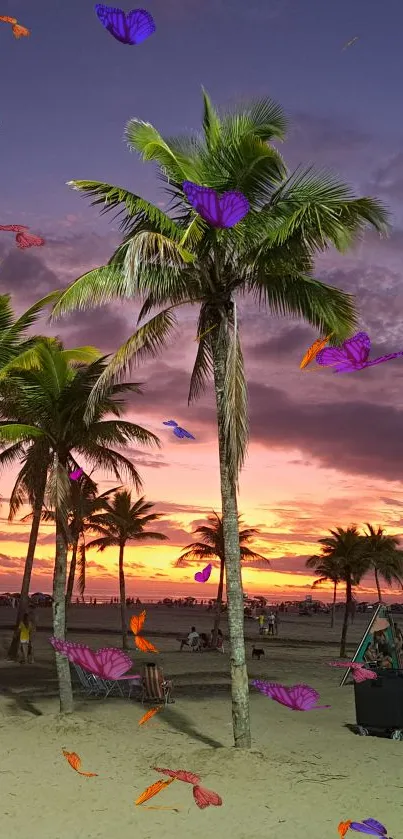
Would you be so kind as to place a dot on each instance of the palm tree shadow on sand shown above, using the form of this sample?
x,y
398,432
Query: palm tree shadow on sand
x,y
181,722
22,702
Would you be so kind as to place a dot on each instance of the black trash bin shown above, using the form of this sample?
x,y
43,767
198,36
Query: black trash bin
x,y
379,703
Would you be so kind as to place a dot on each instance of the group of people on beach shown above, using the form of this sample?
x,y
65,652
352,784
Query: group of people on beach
x,y
268,624
202,641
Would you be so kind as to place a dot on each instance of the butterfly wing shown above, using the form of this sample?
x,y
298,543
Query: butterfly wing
x,y
13,228
313,350
331,356
87,659
137,622
6,19
140,25
383,358
72,651
205,797
343,828
76,474
187,434
20,31
279,693
152,790
114,20
203,576
362,674
232,208
75,762
113,662
179,432
204,200
179,774
149,714
304,697
369,826
171,423
143,645
358,348
27,240
343,664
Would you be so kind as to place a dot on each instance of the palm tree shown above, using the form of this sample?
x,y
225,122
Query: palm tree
x,y
123,521
180,260
211,547
384,557
31,481
328,570
47,431
344,549
84,504
15,347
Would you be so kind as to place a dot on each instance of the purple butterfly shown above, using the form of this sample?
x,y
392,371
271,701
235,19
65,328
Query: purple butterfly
x,y
298,697
352,355
370,826
203,576
76,474
219,211
131,28
178,431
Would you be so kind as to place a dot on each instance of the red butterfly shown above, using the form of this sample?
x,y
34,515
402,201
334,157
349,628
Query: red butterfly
x,y
24,240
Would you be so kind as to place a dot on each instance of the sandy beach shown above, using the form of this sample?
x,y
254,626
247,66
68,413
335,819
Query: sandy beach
x,y
305,773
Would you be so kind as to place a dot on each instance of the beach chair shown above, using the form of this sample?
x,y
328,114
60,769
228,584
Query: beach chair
x,y
154,687
95,686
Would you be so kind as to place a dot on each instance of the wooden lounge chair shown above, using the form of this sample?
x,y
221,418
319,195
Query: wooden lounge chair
x,y
154,687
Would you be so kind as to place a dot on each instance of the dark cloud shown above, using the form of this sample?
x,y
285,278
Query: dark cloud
x,y
387,179
356,436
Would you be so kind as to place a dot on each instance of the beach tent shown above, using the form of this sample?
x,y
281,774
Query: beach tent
x,y
381,618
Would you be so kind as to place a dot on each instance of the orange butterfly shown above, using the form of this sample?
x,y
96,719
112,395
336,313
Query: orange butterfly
x,y
152,790
149,714
136,624
75,762
313,350
18,31
343,828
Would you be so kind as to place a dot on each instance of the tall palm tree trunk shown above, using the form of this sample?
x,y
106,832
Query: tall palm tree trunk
x,y
26,580
378,585
72,572
122,590
217,618
59,617
333,611
239,673
343,639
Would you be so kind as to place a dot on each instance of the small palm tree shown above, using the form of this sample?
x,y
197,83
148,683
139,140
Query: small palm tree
x,y
384,557
84,504
120,522
176,259
46,428
344,549
212,546
328,570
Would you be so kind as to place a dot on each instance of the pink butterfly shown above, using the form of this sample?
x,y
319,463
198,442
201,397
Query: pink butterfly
x,y
352,355
74,476
360,673
203,576
108,662
298,697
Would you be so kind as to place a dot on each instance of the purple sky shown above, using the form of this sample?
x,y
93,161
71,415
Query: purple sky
x,y
324,450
